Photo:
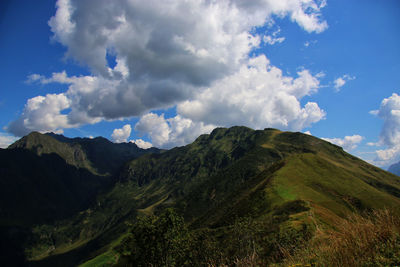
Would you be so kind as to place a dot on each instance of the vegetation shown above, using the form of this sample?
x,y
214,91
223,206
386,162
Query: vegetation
x,y
234,197
368,239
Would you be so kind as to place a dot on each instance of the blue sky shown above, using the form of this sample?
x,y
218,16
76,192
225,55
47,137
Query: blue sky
x,y
330,68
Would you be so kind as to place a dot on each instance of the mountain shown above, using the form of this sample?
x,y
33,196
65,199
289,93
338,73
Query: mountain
x,y
98,155
237,189
40,189
395,168
46,178
240,171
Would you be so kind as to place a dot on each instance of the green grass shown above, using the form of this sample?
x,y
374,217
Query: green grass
x,y
108,258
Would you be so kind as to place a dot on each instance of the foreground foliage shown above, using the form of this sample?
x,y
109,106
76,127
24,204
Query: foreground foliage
x,y
370,239
166,241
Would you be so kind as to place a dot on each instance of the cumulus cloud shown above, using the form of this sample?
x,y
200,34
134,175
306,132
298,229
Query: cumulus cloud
x,y
341,81
165,57
121,135
43,114
389,112
142,144
171,132
259,95
348,142
6,140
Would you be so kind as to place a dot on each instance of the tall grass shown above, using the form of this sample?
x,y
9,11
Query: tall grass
x,y
370,239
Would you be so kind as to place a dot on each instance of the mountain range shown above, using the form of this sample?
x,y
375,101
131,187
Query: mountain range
x,y
76,201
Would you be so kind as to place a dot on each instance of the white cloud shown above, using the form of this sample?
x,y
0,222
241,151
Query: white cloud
x,y
348,142
142,144
389,112
6,140
121,135
43,114
341,81
308,43
170,132
257,96
306,13
273,38
308,132
372,144
165,58
156,127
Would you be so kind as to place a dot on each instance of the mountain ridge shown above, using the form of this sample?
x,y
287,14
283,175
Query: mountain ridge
x,y
98,155
281,181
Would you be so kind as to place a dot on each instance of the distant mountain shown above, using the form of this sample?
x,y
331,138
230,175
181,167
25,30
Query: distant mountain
x,y
395,168
274,184
98,155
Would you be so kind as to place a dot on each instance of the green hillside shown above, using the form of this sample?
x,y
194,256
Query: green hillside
x,y
219,174
239,191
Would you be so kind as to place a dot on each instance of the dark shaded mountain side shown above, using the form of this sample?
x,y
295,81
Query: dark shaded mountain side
x,y
37,189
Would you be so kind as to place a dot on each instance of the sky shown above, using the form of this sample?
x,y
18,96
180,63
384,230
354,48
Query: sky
x,y
160,73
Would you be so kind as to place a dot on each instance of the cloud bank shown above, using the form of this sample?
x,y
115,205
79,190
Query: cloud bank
x,y
389,112
164,57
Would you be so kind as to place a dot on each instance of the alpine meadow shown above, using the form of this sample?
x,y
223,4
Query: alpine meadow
x,y
200,133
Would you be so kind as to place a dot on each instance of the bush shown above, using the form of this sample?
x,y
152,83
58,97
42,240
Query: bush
x,y
157,241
